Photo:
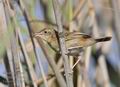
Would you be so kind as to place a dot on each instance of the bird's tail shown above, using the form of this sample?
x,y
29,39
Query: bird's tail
x,y
103,39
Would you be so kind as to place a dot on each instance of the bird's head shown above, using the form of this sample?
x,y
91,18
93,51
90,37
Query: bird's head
x,y
45,34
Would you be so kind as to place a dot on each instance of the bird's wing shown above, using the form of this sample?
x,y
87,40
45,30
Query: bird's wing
x,y
76,35
78,40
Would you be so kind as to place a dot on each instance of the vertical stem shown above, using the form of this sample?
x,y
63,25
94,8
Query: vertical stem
x,y
52,64
50,60
70,14
116,19
104,71
68,73
8,55
11,82
28,62
34,48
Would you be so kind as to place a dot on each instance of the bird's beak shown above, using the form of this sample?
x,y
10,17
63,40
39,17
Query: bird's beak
x,y
37,34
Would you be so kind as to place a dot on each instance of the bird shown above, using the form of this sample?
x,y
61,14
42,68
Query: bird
x,y
75,41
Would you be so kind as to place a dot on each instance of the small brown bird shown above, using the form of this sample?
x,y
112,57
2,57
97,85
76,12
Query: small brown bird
x,y
75,41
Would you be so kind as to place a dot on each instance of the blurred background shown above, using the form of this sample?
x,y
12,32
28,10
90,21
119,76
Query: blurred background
x,y
27,62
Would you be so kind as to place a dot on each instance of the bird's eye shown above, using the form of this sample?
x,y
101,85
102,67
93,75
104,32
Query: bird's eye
x,y
45,32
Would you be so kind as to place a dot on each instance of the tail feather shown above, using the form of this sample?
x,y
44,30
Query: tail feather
x,y
103,39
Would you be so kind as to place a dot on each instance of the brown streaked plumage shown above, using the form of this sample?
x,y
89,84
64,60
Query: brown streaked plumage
x,y
75,41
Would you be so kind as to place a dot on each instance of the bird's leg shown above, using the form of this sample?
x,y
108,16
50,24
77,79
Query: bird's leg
x,y
79,59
